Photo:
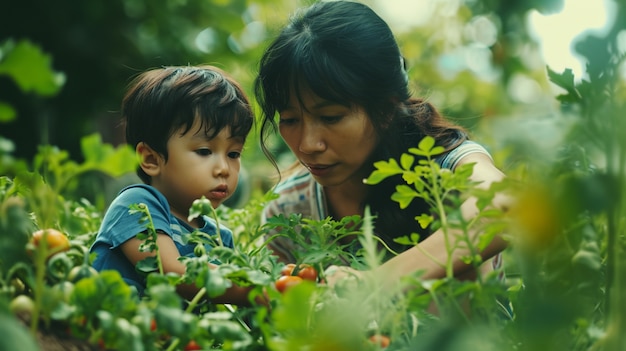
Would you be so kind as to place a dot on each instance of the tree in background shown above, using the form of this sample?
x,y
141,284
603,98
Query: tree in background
x,y
99,44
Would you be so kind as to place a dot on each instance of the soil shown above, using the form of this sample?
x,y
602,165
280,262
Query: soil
x,y
54,339
52,342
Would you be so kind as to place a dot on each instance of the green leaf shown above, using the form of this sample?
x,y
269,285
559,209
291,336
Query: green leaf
x,y
384,169
404,195
104,158
415,179
31,69
106,291
565,81
424,220
490,232
404,240
147,265
406,161
427,148
215,283
414,239
426,144
464,171
15,336
437,150
294,312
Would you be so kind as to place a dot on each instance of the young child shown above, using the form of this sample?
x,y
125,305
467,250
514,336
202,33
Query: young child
x,y
188,126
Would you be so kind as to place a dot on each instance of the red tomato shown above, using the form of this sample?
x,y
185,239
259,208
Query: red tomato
x,y
192,345
307,272
381,340
288,269
286,281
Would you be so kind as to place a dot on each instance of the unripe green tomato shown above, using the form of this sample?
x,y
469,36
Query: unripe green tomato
x,y
22,304
81,272
63,290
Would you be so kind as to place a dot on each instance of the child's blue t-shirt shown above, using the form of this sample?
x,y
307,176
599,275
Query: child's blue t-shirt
x,y
119,225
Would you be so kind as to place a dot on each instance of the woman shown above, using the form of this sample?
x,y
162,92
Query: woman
x,y
337,80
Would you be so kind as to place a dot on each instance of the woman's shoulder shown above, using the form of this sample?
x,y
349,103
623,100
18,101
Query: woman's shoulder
x,y
298,193
451,159
297,181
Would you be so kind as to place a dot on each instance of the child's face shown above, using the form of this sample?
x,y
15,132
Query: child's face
x,y
197,166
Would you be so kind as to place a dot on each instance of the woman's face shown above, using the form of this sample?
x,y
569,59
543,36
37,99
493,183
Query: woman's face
x,y
333,141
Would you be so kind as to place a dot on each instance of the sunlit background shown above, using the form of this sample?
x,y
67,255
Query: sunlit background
x,y
555,32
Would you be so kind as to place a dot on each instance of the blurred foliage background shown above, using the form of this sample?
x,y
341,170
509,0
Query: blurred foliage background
x,y
64,66
475,59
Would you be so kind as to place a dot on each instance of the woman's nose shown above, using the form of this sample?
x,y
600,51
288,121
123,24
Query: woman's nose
x,y
312,139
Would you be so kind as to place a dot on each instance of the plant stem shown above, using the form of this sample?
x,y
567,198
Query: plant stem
x,y
444,219
153,235
41,255
194,302
217,226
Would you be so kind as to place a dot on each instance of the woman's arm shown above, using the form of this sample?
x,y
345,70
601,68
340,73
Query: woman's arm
x,y
421,258
169,257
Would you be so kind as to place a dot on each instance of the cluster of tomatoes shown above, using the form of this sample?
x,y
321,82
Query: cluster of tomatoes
x,y
293,274
55,242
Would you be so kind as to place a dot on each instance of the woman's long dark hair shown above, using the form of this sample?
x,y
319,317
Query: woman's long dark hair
x,y
344,52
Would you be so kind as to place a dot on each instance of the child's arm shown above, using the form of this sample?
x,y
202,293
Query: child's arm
x,y
169,257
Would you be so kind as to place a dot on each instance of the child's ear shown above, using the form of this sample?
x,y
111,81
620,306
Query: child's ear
x,y
149,160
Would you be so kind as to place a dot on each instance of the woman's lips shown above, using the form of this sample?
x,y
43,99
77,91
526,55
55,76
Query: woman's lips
x,y
319,170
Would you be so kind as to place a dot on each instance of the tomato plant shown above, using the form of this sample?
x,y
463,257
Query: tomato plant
x,y
288,269
304,271
381,340
286,281
575,267
307,272
192,345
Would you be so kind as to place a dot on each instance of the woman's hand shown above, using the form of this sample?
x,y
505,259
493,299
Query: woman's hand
x,y
337,274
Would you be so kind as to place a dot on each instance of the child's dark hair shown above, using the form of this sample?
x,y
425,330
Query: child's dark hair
x,y
344,52
161,101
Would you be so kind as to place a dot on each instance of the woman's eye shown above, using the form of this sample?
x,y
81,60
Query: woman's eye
x,y
286,118
287,121
234,154
203,152
330,119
